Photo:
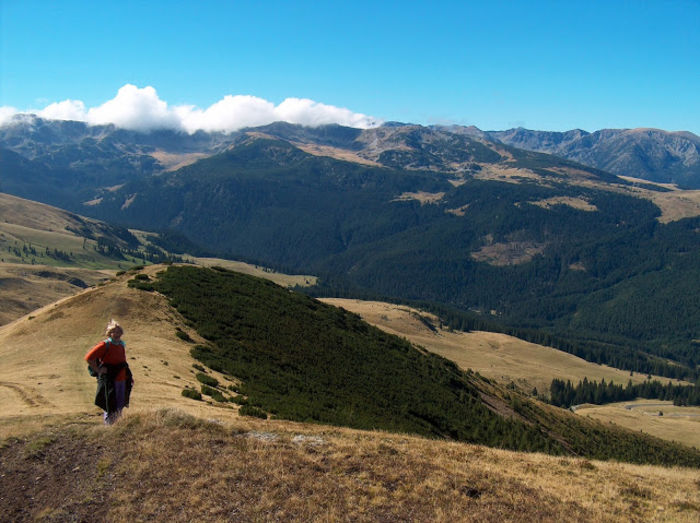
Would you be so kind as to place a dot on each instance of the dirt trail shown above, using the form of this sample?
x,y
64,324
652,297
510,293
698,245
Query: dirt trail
x,y
31,398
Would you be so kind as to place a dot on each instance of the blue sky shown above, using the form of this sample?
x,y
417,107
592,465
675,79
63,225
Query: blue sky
x,y
552,65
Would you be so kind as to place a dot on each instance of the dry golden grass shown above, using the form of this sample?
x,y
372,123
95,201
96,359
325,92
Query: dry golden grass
x,y
335,152
43,371
166,465
498,356
504,173
28,287
421,196
676,205
18,211
222,466
285,280
174,161
681,424
575,203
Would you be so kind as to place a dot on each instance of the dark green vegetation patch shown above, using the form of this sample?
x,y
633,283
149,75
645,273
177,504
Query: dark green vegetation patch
x,y
300,359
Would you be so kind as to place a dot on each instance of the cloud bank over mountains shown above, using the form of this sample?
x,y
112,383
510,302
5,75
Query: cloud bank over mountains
x,y
141,109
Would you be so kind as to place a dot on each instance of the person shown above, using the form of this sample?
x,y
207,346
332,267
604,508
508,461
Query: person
x,y
107,361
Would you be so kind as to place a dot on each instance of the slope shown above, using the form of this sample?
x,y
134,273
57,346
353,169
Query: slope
x,y
651,154
43,372
494,355
65,465
530,241
299,359
251,470
540,241
47,253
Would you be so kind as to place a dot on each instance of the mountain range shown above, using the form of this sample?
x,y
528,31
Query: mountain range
x,y
599,265
651,154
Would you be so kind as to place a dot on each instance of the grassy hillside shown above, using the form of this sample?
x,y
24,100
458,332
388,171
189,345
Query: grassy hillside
x,y
494,355
299,359
659,418
47,253
529,241
28,287
37,234
58,462
251,470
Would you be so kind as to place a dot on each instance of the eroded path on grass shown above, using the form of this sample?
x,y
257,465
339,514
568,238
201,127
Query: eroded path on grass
x,y
29,397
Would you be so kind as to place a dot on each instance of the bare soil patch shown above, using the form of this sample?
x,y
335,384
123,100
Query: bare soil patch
x,y
175,161
336,153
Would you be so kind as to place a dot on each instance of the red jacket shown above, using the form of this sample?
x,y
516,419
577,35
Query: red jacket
x,y
115,355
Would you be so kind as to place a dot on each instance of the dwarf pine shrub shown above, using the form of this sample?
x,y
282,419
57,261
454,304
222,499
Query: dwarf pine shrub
x,y
207,380
249,410
191,393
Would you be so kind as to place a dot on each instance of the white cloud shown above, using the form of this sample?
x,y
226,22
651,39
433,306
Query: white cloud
x,y
141,109
134,108
228,114
6,114
307,112
65,110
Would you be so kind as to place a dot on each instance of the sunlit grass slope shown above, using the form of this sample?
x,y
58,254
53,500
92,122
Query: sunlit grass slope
x,y
169,466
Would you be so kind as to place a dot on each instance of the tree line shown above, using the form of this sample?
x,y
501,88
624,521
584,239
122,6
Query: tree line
x,y
565,394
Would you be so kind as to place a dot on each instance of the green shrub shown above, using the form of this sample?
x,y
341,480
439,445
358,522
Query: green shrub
x,y
141,285
183,335
207,380
199,367
239,400
249,410
193,394
215,394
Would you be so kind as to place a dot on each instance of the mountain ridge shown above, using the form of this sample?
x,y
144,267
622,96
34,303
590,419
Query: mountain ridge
x,y
647,153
